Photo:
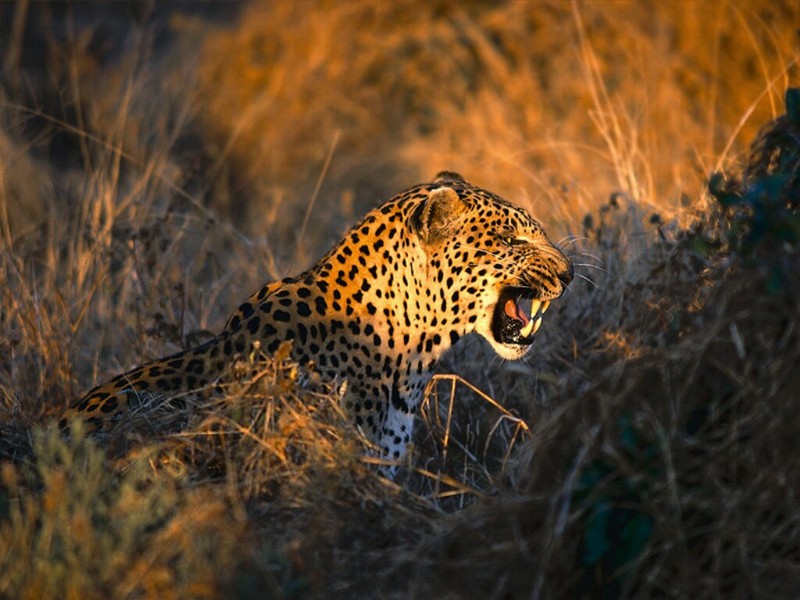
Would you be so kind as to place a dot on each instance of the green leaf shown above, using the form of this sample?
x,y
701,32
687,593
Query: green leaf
x,y
635,536
627,434
793,105
775,280
718,189
595,541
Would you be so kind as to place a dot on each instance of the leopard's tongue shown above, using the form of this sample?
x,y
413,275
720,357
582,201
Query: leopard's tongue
x,y
515,311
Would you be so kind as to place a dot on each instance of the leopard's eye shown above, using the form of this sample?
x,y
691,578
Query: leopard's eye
x,y
509,240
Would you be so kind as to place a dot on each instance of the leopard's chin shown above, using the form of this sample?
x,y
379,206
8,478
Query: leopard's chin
x,y
516,319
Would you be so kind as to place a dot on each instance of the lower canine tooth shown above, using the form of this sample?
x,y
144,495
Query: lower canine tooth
x,y
529,328
536,324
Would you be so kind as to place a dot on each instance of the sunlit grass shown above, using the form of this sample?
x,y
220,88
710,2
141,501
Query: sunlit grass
x,y
148,185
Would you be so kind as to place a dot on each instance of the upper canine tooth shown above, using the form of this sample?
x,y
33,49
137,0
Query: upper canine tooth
x,y
536,324
545,306
535,305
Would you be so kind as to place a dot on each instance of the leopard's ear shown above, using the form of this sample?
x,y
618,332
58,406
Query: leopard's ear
x,y
442,176
437,216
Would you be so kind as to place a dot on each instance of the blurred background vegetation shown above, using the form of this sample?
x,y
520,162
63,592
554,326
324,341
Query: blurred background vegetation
x,y
160,161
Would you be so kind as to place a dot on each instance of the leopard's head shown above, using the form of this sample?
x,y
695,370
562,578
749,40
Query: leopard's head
x,y
491,263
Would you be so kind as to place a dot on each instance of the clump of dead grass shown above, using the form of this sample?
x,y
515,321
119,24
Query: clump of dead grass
x,y
667,472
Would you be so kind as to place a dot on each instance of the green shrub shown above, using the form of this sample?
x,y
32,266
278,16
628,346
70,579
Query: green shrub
x,y
761,216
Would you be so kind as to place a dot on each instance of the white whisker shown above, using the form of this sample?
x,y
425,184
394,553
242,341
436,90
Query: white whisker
x,y
591,266
568,240
589,254
585,278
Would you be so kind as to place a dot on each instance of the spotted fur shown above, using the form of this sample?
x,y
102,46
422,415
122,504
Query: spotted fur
x,y
415,275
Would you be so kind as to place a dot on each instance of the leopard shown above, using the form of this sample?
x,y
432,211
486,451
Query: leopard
x,y
434,264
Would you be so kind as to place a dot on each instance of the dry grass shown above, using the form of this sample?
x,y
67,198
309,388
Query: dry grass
x,y
155,169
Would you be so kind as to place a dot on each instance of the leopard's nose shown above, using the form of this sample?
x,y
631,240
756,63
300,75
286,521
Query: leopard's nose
x,y
566,274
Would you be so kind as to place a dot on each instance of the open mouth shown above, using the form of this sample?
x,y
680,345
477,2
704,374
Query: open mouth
x,y
517,316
